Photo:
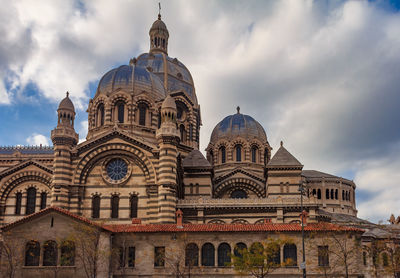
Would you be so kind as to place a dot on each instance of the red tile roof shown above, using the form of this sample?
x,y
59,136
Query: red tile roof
x,y
267,227
152,228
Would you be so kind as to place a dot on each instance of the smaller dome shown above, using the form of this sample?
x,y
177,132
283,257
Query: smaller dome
x,y
169,102
159,26
238,125
66,104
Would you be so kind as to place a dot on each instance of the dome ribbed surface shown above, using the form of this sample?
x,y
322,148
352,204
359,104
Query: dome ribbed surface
x,y
131,79
238,125
159,25
66,104
177,75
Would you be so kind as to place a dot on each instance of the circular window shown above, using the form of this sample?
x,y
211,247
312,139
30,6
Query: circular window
x,y
117,169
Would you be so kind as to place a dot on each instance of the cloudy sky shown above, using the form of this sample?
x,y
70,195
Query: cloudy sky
x,y
323,76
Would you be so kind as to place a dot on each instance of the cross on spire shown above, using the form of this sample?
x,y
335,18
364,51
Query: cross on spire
x,y
238,109
159,10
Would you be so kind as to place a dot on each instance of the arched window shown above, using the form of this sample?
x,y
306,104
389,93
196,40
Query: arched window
x,y
114,206
43,200
67,253
290,254
336,194
18,202
183,133
192,255
257,249
208,254
332,194
159,119
191,132
349,196
239,194
100,115
314,192
120,105
133,206
31,200
319,194
385,259
364,258
343,195
275,255
239,247
96,206
50,253
238,153
142,113
222,151
32,253
265,156
223,254
254,151
211,157
327,194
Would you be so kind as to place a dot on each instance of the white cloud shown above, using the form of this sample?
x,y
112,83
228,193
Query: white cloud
x,y
37,139
82,131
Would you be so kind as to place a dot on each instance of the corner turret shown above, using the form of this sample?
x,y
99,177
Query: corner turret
x,y
64,139
168,139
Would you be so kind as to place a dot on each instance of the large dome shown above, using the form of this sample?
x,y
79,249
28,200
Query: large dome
x,y
174,75
238,125
131,79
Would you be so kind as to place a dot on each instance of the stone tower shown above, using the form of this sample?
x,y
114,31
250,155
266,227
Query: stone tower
x,y
168,138
64,139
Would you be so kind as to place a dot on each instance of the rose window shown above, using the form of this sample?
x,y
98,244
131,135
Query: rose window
x,y
117,169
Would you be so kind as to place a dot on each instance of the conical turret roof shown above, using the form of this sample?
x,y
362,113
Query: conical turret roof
x,y
284,158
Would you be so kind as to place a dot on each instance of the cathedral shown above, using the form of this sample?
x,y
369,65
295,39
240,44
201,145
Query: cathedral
x,y
140,180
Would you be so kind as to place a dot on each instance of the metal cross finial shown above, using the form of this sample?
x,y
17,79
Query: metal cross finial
x,y
281,143
238,109
67,94
159,10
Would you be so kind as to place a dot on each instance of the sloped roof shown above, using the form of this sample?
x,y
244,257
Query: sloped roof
x,y
266,227
316,174
196,159
22,165
48,210
346,219
283,158
377,233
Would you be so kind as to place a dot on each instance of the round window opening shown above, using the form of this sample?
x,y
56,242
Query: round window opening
x,y
117,169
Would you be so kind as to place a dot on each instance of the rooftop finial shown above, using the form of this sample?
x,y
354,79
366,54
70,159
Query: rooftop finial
x,y
238,109
67,94
159,11
281,143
